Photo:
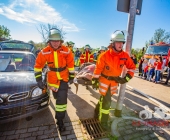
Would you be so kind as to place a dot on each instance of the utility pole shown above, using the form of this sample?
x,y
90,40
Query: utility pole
x,y
131,23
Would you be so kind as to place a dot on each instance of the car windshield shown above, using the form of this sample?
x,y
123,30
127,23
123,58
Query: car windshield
x,y
162,50
10,62
16,46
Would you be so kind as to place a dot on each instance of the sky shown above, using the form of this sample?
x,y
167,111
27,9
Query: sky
x,y
84,21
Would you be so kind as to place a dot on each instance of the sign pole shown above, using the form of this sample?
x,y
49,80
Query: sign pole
x,y
131,24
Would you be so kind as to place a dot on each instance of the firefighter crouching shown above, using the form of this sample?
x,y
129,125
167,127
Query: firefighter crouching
x,y
106,75
61,69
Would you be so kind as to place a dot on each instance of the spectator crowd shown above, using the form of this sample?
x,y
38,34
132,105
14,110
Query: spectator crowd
x,y
153,69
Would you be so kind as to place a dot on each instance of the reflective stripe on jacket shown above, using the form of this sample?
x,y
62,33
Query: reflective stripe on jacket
x,y
55,59
86,57
111,63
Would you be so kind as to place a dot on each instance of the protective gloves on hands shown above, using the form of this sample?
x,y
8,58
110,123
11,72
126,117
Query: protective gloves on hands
x,y
71,78
123,80
95,83
41,85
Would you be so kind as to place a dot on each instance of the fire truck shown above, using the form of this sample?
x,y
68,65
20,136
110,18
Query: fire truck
x,y
158,49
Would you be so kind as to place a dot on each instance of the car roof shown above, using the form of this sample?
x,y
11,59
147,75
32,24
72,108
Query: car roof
x,y
12,51
20,49
14,41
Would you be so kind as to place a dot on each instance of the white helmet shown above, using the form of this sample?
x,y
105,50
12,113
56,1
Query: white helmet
x,y
87,46
54,34
118,36
102,48
71,43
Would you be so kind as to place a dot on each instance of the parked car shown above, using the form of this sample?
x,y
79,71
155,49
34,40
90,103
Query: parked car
x,y
17,45
19,94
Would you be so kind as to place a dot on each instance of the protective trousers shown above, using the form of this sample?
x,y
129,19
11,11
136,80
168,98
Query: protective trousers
x,y
76,61
61,100
103,107
140,71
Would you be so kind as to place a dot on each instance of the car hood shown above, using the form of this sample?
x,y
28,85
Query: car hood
x,y
16,82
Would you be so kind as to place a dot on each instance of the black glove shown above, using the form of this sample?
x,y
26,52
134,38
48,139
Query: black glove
x,y
41,85
123,80
71,78
95,83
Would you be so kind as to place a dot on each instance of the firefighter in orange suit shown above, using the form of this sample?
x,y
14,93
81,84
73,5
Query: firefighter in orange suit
x,y
70,46
60,62
107,73
86,56
102,50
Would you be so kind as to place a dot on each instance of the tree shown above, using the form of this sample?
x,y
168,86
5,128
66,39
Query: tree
x,y
37,45
138,52
147,43
161,35
44,31
4,32
31,42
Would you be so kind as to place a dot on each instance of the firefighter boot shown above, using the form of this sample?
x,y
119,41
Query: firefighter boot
x,y
61,126
96,112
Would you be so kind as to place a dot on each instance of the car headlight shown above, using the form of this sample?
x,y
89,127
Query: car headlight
x,y
1,101
36,92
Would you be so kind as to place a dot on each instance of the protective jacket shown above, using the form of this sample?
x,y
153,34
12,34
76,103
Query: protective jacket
x,y
110,64
86,57
60,63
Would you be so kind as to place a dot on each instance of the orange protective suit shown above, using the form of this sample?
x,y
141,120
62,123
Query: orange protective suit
x,y
111,63
86,57
60,63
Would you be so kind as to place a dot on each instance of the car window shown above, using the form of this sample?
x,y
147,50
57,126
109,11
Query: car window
x,y
4,61
17,46
157,50
11,62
